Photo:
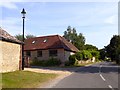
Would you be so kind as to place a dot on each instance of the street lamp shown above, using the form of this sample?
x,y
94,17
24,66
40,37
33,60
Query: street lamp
x,y
23,13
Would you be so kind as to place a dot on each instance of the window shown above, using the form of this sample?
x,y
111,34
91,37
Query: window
x,y
33,42
45,41
39,53
28,53
52,53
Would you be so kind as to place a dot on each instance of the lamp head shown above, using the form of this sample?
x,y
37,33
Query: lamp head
x,y
23,13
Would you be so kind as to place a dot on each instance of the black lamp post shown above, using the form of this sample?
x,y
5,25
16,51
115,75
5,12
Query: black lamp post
x,y
23,13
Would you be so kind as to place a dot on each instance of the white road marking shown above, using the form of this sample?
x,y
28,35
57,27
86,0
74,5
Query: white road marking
x,y
101,74
102,77
110,87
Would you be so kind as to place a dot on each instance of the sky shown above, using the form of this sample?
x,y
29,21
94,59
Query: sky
x,y
97,20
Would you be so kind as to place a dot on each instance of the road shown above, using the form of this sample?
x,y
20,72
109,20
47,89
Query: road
x,y
102,75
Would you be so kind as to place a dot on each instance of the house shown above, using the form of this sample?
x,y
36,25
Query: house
x,y
10,52
42,48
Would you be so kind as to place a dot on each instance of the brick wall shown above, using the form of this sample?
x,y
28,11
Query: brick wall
x,y
11,56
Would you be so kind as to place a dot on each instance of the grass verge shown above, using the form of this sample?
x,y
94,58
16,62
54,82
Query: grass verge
x,y
81,65
25,79
84,64
0,81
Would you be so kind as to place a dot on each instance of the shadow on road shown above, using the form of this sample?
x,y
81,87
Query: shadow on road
x,y
89,69
95,69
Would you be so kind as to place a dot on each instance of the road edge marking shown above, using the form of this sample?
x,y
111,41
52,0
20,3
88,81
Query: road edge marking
x,y
102,77
110,87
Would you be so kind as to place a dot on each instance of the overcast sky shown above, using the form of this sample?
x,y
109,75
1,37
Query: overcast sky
x,y
98,21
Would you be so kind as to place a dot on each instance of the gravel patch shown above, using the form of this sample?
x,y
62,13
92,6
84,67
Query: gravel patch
x,y
47,71
61,75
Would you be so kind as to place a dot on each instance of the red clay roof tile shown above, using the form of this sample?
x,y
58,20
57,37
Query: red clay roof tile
x,y
7,37
49,42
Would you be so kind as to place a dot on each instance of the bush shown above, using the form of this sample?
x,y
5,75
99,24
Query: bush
x,y
37,62
53,62
107,59
72,59
76,62
50,62
79,56
86,55
67,63
95,54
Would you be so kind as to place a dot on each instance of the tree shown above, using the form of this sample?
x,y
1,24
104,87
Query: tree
x,y
80,41
86,55
30,36
95,54
72,36
90,47
113,49
79,55
20,36
103,53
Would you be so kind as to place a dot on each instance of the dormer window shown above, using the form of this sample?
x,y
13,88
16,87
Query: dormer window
x,y
45,40
33,42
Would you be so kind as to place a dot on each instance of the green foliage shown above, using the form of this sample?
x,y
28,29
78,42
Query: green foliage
x,y
79,41
20,36
53,62
90,47
103,53
86,55
25,79
113,49
76,62
50,62
30,36
72,36
107,59
95,54
82,56
72,59
79,56
37,62
67,63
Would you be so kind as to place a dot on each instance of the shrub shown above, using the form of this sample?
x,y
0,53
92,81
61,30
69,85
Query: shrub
x,y
37,62
95,54
76,62
72,59
67,63
86,55
53,62
107,59
79,56
50,62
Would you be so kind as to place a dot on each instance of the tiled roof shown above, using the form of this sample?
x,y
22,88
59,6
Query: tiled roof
x,y
49,42
7,37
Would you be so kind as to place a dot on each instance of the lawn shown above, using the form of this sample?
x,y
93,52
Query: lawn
x,y
25,79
